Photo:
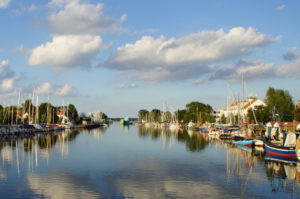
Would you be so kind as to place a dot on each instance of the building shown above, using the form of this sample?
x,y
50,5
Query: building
x,y
240,108
298,104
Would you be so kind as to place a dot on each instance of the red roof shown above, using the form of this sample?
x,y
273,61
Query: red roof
x,y
249,103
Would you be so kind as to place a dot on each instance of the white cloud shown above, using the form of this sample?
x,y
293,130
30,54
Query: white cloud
x,y
67,51
7,84
45,88
281,7
290,70
76,17
56,90
7,76
124,85
186,57
248,70
4,3
63,91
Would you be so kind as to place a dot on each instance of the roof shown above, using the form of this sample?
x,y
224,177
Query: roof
x,y
250,103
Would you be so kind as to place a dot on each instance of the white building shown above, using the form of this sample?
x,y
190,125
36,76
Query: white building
x,y
239,108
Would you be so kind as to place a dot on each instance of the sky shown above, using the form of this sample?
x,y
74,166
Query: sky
x,y
118,56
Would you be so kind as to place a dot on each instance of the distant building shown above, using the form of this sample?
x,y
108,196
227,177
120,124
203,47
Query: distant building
x,y
298,104
239,108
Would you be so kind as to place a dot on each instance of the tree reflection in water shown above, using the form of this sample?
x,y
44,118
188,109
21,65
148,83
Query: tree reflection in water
x,y
194,141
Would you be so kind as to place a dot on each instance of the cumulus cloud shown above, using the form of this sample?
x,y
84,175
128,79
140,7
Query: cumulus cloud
x,y
63,91
67,51
290,70
8,83
281,7
7,76
74,17
44,88
56,90
245,69
187,57
4,3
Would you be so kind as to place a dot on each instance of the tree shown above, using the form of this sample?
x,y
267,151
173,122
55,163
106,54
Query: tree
x,y
223,119
27,104
297,114
280,101
72,112
262,114
155,115
166,116
179,114
143,114
198,112
47,113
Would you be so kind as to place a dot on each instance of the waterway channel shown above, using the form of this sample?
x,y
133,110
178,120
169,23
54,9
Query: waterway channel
x,y
137,162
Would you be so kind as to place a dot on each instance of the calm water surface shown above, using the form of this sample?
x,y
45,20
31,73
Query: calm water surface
x,y
134,162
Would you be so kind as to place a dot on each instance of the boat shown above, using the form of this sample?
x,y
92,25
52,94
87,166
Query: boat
x,y
247,142
258,143
244,147
286,151
191,125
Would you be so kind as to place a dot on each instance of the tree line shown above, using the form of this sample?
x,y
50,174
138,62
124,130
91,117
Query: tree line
x,y
43,113
194,111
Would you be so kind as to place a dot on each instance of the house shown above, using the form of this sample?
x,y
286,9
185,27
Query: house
x,y
240,108
298,104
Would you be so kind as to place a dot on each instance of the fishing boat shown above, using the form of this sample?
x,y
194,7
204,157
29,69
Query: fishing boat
x,y
286,151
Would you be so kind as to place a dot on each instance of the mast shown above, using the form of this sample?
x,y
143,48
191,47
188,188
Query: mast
x,y
18,106
37,110
12,114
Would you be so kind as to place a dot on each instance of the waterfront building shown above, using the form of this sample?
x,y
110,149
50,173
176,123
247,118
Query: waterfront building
x,y
298,104
239,108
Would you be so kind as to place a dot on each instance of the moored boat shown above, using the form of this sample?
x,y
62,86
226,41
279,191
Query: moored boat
x,y
287,151
247,142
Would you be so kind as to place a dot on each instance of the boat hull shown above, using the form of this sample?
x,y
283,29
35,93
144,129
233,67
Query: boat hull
x,y
279,151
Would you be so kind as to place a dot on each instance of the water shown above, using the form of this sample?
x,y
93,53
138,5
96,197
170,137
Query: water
x,y
122,162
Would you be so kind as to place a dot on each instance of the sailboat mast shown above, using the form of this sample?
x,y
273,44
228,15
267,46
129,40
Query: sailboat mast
x,y
18,106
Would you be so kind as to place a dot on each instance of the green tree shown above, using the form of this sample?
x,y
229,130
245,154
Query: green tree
x,y
223,119
72,111
47,113
179,114
280,101
155,115
262,114
143,114
297,114
166,116
198,112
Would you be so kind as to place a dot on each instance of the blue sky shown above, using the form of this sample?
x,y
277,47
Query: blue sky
x,y
120,56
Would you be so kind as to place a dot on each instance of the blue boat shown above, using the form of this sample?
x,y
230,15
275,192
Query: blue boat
x,y
281,152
